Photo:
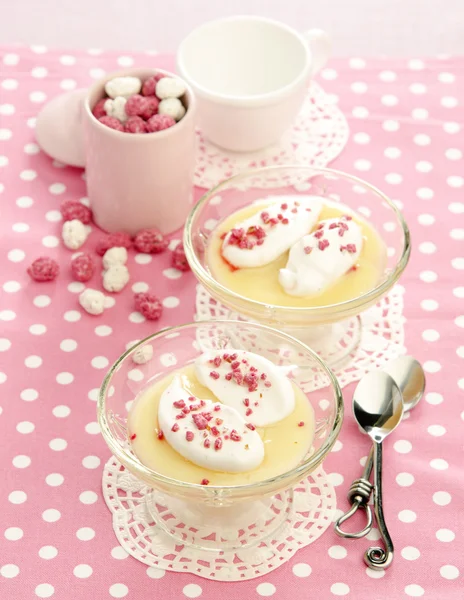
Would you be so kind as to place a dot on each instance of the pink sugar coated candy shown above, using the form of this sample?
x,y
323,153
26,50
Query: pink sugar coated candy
x,y
179,260
111,122
150,241
150,107
111,240
160,122
149,86
99,109
135,105
44,269
135,125
149,305
82,267
73,209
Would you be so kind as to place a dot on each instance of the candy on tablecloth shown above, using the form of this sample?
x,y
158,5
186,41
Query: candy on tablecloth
x,y
110,240
74,234
73,209
82,267
143,354
115,278
92,301
179,260
148,305
43,269
114,256
150,241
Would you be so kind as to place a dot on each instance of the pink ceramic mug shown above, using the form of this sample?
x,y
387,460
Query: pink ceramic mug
x,y
137,181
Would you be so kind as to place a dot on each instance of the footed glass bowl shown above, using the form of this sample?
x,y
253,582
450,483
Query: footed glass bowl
x,y
332,330
210,517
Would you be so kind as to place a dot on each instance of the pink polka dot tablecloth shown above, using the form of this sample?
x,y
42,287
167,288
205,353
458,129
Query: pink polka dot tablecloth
x,y
56,538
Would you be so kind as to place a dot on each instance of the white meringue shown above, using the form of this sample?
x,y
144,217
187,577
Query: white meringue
x,y
74,234
115,278
297,217
172,107
319,259
123,86
93,301
114,256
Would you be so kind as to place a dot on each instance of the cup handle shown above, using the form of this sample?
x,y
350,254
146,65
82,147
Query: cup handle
x,y
320,44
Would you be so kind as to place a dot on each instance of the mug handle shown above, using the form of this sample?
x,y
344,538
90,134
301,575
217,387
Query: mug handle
x,y
320,45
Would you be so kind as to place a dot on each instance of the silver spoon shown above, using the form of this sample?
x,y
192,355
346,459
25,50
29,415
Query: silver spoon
x,y
409,376
378,408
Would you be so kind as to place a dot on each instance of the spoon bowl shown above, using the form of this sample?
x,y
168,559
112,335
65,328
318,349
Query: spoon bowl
x,y
378,405
409,376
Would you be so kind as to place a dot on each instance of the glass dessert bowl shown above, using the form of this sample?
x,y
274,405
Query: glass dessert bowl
x,y
326,318
245,507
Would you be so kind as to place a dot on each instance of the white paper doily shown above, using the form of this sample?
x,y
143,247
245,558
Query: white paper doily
x,y
317,137
313,511
381,334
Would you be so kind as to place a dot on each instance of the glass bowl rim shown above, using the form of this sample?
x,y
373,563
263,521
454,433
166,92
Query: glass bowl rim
x,y
139,467
206,278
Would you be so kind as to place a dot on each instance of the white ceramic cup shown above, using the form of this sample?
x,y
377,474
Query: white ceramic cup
x,y
249,75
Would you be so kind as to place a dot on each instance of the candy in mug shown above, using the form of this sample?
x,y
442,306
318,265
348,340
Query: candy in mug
x,y
250,75
139,166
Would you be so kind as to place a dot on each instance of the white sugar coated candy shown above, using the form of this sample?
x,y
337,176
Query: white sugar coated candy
x,y
172,107
93,301
116,108
115,278
74,234
123,86
168,87
143,354
114,256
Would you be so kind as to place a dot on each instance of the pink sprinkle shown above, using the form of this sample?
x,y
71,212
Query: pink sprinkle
x,y
214,374
217,361
194,406
308,249
228,376
204,482
301,424
207,443
186,410
285,221
179,404
333,225
217,407
238,377
234,436
267,384
160,435
253,369
319,234
294,210
191,398
133,436
235,365
218,444
175,427
323,244
265,217
351,248
180,416
347,218
214,430
189,436
246,402
226,437
248,412
284,206
251,426
200,421
233,356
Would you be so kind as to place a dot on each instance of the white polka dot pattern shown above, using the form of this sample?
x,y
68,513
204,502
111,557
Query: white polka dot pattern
x,y
405,138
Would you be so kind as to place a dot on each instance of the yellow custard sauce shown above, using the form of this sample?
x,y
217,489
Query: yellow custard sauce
x,y
261,284
286,443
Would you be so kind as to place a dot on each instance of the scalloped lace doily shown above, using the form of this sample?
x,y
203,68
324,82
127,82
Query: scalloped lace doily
x,y
312,510
375,339
317,137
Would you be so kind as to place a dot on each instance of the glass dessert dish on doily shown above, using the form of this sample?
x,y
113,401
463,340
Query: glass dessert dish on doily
x,y
247,507
324,314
